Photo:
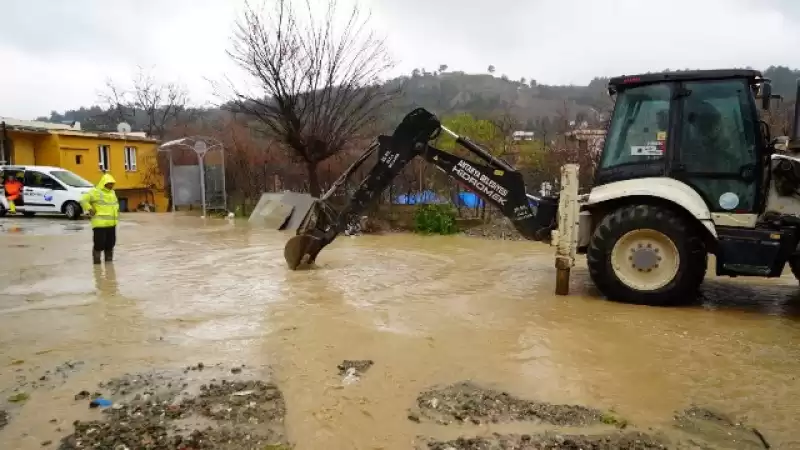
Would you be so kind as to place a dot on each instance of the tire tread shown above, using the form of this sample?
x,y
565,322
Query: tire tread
x,y
690,246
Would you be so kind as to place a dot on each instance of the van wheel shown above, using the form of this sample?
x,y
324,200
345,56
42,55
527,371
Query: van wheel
x,y
72,210
28,213
3,211
647,255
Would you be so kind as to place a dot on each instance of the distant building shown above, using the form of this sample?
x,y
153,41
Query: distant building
x,y
131,158
522,136
588,139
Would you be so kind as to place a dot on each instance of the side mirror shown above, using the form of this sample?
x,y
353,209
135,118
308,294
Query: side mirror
x,y
766,95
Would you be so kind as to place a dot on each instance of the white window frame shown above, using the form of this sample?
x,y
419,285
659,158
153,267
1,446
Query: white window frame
x,y
103,157
130,159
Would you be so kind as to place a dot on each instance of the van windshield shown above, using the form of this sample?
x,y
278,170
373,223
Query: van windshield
x,y
70,179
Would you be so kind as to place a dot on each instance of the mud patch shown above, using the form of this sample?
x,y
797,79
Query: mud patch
x,y
32,378
28,380
622,441
498,228
568,426
467,402
166,411
717,428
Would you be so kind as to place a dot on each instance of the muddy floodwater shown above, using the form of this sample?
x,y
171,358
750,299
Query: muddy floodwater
x,y
428,312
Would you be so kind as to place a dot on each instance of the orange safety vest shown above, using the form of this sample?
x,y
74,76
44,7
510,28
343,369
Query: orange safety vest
x,y
13,188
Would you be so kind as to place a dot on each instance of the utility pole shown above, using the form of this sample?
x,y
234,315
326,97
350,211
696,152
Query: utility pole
x,y
3,143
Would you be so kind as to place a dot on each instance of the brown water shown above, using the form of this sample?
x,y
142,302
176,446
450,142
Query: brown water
x,y
427,310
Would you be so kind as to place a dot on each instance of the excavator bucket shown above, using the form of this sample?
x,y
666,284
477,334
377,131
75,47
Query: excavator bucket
x,y
302,249
298,250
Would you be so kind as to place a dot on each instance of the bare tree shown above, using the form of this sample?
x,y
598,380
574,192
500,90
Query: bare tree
x,y
506,123
316,90
150,104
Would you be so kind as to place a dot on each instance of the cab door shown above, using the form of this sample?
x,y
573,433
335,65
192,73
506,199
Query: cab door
x,y
40,192
718,151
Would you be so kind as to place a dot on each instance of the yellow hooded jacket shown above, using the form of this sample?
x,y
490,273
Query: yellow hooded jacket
x,y
104,203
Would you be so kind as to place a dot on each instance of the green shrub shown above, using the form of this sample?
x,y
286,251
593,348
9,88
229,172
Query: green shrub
x,y
435,219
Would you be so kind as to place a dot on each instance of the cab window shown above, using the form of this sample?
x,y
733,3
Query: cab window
x,y
719,134
34,179
719,144
638,129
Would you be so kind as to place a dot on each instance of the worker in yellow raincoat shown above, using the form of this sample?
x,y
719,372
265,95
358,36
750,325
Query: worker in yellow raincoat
x,y
102,206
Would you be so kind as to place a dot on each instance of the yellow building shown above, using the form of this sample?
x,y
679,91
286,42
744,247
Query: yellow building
x,y
131,158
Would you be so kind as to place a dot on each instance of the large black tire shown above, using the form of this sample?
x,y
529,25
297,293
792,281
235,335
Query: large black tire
x,y
28,213
73,210
680,279
3,211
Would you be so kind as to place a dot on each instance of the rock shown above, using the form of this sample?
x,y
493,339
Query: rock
x,y
236,370
82,395
351,377
3,418
360,365
46,443
19,397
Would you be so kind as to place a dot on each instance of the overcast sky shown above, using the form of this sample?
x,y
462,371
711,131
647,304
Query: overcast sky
x,y
57,54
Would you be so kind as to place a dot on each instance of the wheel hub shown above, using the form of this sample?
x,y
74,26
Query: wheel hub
x,y
645,259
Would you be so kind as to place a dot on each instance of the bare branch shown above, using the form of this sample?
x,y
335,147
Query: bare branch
x,y
317,89
150,105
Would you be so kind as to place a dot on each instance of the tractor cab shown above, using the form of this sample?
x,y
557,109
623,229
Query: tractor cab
x,y
688,169
701,128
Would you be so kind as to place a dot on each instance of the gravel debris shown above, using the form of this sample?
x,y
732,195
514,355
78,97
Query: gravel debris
x,y
468,402
615,441
156,411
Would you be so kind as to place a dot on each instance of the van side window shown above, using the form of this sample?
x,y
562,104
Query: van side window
x,y
34,179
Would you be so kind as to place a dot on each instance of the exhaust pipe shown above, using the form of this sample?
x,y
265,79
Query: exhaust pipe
x,y
794,139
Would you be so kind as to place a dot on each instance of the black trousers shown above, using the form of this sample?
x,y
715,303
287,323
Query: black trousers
x,y
104,239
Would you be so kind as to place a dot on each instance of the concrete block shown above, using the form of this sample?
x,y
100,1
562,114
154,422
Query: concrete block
x,y
281,210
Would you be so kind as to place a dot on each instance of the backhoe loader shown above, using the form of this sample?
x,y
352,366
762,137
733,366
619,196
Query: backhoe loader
x,y
688,169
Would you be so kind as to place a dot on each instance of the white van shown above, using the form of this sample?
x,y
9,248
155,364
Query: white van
x,y
48,190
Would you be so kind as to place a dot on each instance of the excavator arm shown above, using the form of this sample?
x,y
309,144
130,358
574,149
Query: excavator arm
x,y
495,182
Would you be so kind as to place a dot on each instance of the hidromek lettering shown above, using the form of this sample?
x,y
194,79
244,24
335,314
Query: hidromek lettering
x,y
481,182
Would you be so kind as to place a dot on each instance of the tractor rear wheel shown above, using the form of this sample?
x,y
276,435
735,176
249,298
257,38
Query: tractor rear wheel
x,y
647,255
794,264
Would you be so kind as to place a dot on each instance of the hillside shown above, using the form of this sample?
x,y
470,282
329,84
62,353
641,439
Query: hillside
x,y
486,95
483,95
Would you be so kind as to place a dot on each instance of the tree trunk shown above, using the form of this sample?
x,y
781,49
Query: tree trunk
x,y
313,179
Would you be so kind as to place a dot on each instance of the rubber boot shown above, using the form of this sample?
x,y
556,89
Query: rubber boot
x,y
109,254
96,257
